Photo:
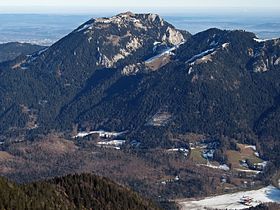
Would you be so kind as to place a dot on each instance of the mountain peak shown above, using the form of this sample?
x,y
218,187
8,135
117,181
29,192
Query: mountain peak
x,y
108,42
128,13
124,34
139,21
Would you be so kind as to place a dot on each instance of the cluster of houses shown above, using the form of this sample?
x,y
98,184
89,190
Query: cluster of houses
x,y
108,141
182,150
253,166
101,133
209,148
115,144
246,200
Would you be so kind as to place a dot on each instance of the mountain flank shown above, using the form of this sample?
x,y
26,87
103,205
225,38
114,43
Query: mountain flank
x,y
83,191
196,114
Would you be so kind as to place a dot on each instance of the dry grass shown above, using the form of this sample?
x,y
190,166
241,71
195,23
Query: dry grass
x,y
234,157
158,62
4,156
193,137
143,171
196,156
18,65
114,40
55,145
248,153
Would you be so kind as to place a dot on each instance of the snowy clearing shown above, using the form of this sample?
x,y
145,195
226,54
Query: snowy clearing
x,y
260,40
113,142
168,51
84,27
200,55
101,133
160,119
252,147
222,167
232,201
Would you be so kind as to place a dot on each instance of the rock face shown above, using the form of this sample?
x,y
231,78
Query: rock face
x,y
114,42
120,36
265,56
119,44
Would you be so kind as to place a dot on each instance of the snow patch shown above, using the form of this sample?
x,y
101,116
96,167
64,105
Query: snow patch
x,y
200,55
225,45
112,143
253,147
222,167
213,43
89,39
84,27
166,52
257,154
101,133
277,62
232,201
183,150
160,119
247,171
262,164
156,43
190,70
260,40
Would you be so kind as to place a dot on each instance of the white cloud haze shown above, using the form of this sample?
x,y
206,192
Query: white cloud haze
x,y
89,5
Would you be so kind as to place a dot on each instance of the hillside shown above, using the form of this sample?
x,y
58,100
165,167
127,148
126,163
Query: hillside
x,y
141,66
10,51
265,207
150,106
70,192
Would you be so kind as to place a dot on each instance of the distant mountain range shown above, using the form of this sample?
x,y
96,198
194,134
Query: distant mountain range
x,y
45,29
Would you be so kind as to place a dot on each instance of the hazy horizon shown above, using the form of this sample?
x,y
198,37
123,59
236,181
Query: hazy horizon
x,y
229,11
46,29
56,18
159,6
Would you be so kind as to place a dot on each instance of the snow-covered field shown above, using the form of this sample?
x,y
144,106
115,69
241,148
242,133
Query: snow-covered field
x,y
231,201
104,134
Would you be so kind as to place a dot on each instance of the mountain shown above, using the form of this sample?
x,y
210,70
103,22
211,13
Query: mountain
x,y
129,91
94,51
117,73
70,192
11,50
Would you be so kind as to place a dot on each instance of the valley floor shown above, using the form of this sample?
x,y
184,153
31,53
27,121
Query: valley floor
x,y
232,201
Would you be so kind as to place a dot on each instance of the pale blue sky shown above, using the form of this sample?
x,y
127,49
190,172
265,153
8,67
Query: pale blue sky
x,y
91,5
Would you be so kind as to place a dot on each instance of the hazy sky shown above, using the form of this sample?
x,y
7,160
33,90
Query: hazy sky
x,y
88,5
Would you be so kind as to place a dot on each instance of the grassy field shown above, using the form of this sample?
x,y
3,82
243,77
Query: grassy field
x,y
196,157
246,152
